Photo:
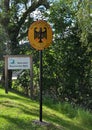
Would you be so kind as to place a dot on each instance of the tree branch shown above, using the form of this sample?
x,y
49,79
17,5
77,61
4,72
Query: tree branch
x,y
31,9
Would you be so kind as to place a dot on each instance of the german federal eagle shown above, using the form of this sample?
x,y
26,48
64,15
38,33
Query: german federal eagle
x,y
40,33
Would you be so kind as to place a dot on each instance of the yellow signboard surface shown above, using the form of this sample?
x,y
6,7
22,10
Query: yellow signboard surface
x,y
40,35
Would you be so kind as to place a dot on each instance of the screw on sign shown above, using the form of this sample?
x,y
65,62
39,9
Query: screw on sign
x,y
40,35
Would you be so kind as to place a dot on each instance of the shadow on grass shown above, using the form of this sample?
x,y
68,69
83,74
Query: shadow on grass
x,y
62,122
28,112
15,97
19,107
22,124
16,123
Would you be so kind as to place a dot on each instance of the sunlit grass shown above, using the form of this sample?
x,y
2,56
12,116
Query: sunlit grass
x,y
18,113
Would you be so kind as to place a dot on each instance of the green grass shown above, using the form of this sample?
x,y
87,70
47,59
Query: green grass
x,y
18,113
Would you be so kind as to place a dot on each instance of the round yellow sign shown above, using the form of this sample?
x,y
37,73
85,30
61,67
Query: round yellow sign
x,y
40,35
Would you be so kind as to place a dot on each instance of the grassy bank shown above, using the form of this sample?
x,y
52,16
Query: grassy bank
x,y
18,113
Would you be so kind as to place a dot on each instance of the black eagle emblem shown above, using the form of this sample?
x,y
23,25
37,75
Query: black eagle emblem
x,y
40,33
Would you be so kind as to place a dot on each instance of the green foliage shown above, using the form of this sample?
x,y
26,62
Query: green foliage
x,y
67,109
69,67
84,20
67,64
81,117
22,82
15,19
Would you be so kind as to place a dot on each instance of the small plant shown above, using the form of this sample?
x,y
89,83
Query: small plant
x,y
23,82
85,118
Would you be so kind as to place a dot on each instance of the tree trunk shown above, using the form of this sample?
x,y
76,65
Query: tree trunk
x,y
3,77
9,79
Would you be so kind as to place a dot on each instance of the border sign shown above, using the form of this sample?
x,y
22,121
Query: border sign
x,y
40,35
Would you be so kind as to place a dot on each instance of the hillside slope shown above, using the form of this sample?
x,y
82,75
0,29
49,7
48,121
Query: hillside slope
x,y
19,113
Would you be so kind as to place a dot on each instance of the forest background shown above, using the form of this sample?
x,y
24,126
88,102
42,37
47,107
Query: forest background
x,y
67,63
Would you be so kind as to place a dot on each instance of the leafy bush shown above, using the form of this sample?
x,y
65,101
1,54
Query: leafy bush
x,y
23,82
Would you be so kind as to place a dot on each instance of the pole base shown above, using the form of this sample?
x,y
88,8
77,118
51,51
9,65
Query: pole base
x,y
42,123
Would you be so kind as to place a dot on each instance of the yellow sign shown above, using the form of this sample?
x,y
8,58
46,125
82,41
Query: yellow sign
x,y
40,35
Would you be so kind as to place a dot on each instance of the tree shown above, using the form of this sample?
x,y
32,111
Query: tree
x,y
15,19
3,38
72,53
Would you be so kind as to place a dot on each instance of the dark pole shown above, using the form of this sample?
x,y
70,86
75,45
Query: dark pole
x,y
40,84
6,74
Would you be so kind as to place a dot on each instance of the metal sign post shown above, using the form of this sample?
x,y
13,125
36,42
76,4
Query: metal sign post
x,y
40,84
6,74
40,37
